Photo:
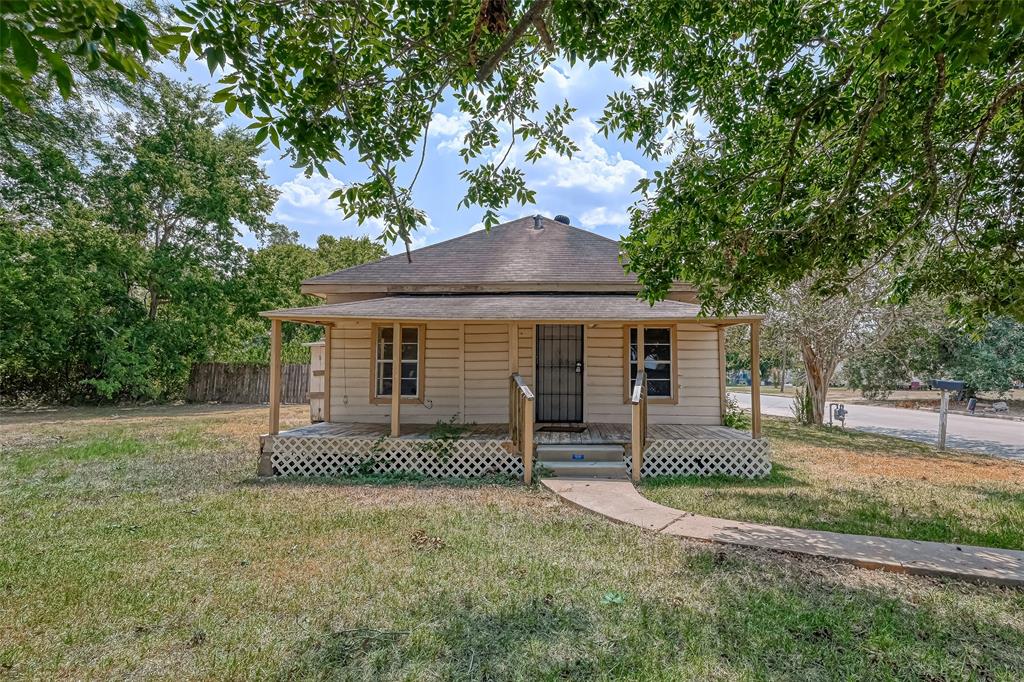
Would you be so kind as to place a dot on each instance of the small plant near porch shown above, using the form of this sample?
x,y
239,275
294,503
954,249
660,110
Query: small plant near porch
x,y
442,438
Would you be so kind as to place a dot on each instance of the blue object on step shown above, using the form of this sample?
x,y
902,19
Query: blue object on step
x,y
575,457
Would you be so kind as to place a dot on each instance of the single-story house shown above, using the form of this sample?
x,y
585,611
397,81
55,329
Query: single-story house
x,y
505,350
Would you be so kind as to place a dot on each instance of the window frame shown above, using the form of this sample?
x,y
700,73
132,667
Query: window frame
x,y
421,340
627,380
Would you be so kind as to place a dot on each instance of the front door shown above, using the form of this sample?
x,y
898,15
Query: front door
x,y
559,373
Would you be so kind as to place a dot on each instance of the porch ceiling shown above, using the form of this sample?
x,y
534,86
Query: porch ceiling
x,y
504,307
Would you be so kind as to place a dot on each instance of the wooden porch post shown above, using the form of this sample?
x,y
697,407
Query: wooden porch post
x,y
636,422
396,379
755,378
327,372
722,393
527,437
275,377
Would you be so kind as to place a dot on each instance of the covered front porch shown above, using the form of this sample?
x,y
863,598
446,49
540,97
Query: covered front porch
x,y
467,385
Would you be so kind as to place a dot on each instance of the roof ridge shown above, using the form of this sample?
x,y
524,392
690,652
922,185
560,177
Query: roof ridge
x,y
477,234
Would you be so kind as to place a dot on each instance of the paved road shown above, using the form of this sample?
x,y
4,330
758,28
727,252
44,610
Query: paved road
x,y
1000,437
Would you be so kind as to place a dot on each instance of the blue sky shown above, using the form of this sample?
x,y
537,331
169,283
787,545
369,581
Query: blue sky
x,y
594,187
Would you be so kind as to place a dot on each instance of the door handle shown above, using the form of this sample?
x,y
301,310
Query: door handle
x,y
579,367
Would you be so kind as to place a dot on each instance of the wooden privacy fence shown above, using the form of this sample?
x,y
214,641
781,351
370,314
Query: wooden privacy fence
x,y
224,382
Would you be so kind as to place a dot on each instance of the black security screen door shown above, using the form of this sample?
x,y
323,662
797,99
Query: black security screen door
x,y
559,373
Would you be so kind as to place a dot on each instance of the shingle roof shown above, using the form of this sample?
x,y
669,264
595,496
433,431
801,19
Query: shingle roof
x,y
496,307
511,253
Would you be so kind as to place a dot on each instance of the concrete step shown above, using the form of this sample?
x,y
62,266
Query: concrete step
x,y
576,452
585,469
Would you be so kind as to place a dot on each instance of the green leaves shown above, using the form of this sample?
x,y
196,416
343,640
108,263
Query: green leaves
x,y
25,56
805,136
68,35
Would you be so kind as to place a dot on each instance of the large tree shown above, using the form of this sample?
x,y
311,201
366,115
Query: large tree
x,y
115,261
835,135
830,136
182,190
830,330
931,346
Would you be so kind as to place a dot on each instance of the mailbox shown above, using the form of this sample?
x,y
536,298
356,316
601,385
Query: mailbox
x,y
948,384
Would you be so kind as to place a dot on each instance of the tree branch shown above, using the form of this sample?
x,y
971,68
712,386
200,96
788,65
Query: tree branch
x,y
532,14
983,126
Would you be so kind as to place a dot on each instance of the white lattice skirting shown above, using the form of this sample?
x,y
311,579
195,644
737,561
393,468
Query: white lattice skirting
x,y
746,458
470,458
319,456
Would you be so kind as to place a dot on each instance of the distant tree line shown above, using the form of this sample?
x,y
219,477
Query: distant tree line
x,y
121,264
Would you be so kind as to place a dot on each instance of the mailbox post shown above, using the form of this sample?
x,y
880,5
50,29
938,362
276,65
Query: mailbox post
x,y
945,385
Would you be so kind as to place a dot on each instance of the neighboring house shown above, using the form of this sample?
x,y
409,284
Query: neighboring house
x,y
517,347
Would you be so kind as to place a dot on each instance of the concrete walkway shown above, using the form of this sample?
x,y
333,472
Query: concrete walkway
x,y
618,500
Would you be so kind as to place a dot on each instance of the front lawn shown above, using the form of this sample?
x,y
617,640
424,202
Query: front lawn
x,y
141,546
854,482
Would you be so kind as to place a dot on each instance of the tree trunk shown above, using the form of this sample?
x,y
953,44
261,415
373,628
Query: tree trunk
x,y
819,374
782,379
153,303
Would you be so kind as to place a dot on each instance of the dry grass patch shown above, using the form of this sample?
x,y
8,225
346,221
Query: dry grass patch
x,y
852,482
171,560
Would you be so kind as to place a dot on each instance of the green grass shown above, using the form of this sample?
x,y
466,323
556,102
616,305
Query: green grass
x,y
851,482
147,549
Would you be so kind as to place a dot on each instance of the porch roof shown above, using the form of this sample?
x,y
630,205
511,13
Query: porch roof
x,y
504,307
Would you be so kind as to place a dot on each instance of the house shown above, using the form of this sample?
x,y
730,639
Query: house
x,y
504,350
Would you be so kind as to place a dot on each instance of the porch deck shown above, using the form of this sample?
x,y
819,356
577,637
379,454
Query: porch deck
x,y
591,433
341,448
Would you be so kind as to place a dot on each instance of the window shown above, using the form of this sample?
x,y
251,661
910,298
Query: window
x,y
411,356
657,362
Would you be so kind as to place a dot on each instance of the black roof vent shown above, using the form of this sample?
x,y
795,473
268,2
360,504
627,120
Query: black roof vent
x,y
538,224
564,219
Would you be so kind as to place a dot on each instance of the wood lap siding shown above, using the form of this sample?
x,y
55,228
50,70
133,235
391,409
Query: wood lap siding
x,y
696,372
485,363
352,355
486,368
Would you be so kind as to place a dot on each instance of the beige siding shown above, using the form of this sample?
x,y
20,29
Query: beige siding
x,y
467,374
696,368
486,371
350,381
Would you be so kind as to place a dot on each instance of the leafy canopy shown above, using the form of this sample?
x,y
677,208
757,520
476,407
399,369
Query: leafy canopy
x,y
58,39
930,347
838,135
832,137
118,249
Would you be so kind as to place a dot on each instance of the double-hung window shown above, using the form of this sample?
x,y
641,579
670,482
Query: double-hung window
x,y
410,362
657,360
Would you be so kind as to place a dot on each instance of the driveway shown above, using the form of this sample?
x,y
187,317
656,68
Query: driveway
x,y
999,437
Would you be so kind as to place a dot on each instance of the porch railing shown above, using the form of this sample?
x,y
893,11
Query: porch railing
x,y
638,423
520,422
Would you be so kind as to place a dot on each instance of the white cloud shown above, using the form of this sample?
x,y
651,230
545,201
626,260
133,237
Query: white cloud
x,y
307,202
312,194
592,167
450,129
568,78
602,215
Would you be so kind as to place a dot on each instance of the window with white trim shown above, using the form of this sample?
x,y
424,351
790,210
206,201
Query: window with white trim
x,y
411,360
657,360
